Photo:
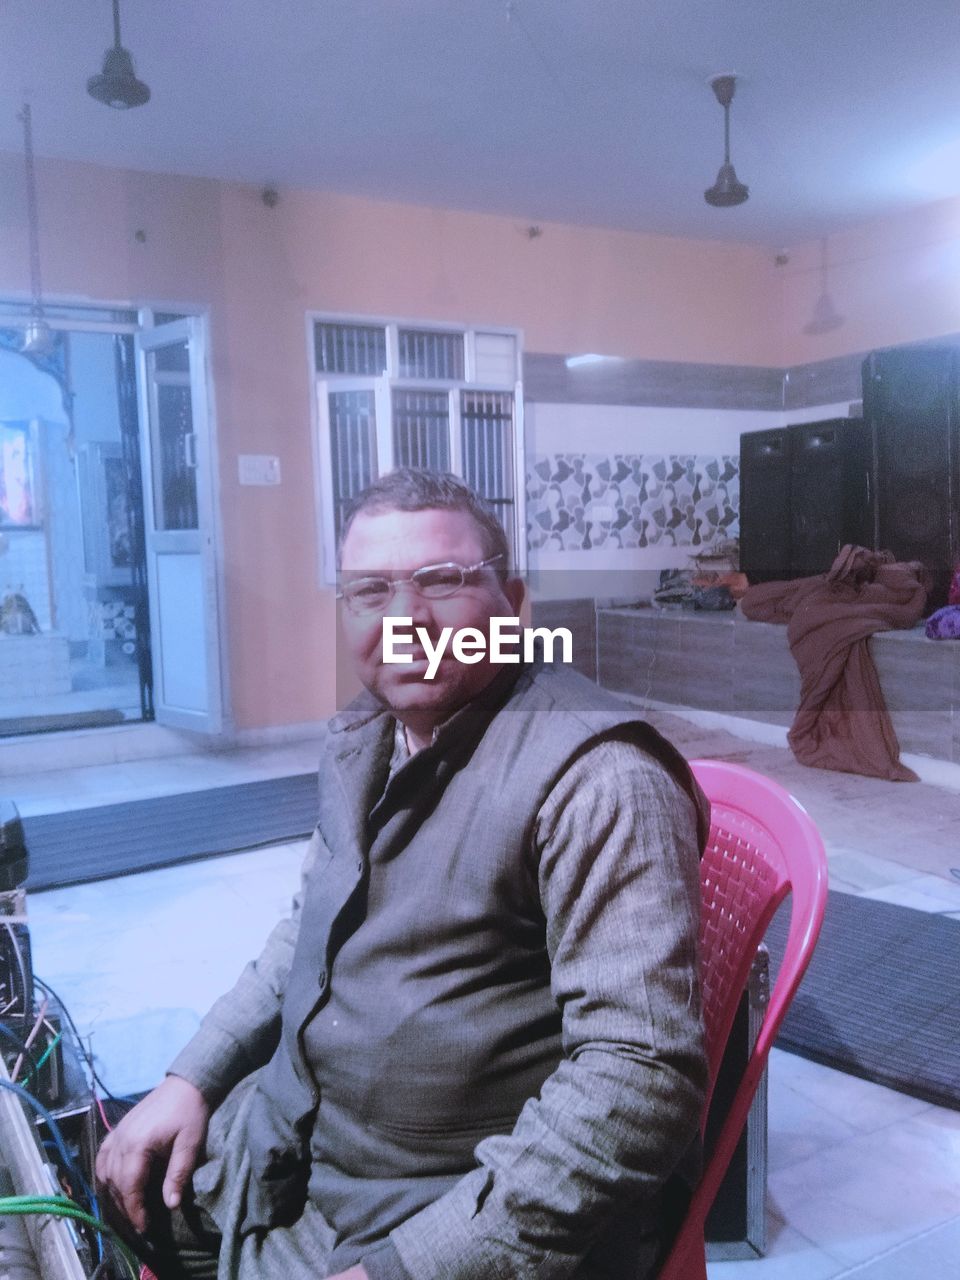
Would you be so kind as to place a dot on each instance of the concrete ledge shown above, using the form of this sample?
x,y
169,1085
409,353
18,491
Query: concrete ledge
x,y
726,664
44,752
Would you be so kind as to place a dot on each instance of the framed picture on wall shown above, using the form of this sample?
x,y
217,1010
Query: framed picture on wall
x,y
19,490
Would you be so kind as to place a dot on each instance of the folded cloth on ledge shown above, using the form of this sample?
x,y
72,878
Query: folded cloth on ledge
x,y
842,720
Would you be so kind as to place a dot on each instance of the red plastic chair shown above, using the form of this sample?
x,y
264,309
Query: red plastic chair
x,y
762,846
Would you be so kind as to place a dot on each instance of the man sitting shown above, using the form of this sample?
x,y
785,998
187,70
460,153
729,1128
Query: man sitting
x,y
475,1048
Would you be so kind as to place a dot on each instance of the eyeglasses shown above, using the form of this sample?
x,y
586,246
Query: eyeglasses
x,y
434,581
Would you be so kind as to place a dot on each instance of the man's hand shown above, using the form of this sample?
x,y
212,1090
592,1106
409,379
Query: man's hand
x,y
169,1124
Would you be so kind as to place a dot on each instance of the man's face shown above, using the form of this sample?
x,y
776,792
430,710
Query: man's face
x,y
394,544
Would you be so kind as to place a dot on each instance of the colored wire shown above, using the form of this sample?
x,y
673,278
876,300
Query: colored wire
x,y
46,1054
57,1136
28,1043
17,1042
61,1207
55,1132
73,1027
49,1049
103,1115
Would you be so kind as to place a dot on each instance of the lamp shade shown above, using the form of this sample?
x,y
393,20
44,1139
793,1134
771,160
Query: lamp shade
x,y
825,316
728,190
38,338
117,84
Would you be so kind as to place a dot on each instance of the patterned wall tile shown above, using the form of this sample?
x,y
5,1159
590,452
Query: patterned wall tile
x,y
582,501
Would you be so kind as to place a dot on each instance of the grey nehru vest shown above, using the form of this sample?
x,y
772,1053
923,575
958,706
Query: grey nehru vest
x,y
418,1015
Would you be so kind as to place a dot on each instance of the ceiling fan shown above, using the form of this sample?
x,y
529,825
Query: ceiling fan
x,y
116,85
728,190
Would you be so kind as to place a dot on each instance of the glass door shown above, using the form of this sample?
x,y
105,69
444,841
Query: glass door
x,y
179,526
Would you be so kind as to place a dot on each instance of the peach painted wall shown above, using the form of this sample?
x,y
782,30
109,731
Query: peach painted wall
x,y
89,217
896,280
571,289
258,270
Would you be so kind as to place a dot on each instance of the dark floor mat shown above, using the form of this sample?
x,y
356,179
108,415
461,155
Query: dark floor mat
x,y
115,839
881,998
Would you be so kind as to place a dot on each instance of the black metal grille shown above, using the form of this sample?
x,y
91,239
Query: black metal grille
x,y
351,348
421,430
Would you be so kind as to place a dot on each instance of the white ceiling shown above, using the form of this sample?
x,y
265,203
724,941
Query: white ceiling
x,y
584,111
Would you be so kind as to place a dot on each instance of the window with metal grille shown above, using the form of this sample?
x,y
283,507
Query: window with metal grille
x,y
486,432
351,348
377,410
353,447
427,353
421,429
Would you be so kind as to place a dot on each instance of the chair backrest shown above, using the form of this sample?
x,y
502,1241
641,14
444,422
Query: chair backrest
x,y
762,846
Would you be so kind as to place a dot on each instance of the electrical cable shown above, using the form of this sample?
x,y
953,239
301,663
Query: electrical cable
x,y
57,1136
55,1132
103,1115
62,1207
28,1043
46,1054
87,1057
17,1042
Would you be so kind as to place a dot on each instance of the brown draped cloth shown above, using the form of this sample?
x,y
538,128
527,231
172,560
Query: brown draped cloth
x,y
842,720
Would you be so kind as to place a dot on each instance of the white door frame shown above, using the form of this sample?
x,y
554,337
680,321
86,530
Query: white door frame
x,y
199,707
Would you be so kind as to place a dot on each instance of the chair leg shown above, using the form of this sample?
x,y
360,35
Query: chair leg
x,y
687,1259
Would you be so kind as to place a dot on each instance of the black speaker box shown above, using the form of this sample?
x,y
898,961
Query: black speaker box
x,y
765,504
910,401
805,490
830,492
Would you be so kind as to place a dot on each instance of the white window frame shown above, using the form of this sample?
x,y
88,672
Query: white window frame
x,y
322,382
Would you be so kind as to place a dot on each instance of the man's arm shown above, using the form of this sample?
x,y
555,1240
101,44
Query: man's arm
x,y
169,1125
242,1029
619,881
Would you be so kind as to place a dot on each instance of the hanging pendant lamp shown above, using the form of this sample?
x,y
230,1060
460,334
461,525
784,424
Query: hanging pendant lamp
x,y
825,317
38,337
727,191
117,84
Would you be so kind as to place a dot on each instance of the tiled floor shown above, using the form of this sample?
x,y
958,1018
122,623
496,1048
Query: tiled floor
x,y
94,687
863,1182
55,791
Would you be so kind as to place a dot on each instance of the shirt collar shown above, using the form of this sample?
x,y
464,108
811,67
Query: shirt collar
x,y
365,709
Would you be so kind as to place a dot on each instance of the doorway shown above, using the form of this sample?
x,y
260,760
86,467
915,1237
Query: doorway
x,y
85,430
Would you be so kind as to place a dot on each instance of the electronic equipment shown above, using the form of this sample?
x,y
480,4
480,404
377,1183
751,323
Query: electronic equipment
x,y
57,1252
14,861
16,967
38,1245
16,971
911,401
805,491
17,1258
